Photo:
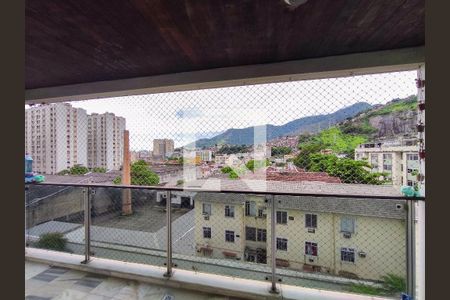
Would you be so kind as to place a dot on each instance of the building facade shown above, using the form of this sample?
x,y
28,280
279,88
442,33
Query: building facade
x,y
399,160
162,148
105,141
204,155
362,238
56,137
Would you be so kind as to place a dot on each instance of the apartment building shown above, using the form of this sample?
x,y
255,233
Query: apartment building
x,y
55,136
105,141
204,155
361,238
400,160
162,148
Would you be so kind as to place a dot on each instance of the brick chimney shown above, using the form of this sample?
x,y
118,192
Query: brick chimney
x,y
126,175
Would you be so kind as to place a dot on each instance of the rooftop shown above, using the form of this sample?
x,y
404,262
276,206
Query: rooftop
x,y
305,187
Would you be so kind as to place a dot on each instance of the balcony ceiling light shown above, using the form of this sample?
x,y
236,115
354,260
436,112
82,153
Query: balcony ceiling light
x,y
295,3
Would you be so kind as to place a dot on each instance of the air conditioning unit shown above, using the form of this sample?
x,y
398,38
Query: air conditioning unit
x,y
206,217
347,235
311,259
311,230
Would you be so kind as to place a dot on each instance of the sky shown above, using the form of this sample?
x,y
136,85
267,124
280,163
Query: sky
x,y
189,115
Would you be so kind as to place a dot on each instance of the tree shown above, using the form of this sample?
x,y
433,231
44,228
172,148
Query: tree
x,y
303,158
141,174
78,170
233,173
333,139
226,169
348,170
280,151
253,165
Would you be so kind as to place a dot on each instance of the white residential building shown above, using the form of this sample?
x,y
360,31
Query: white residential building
x,y
105,141
400,160
55,136
361,238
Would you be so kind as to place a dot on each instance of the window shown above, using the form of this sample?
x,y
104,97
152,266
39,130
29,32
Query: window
x,y
374,162
206,232
311,248
206,208
229,211
410,183
387,162
282,244
310,221
412,157
229,236
281,217
261,213
261,235
348,255
250,208
348,224
250,233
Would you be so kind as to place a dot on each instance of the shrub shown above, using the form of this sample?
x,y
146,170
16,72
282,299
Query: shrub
x,y
393,283
52,241
117,180
99,170
78,170
180,182
63,172
252,165
226,169
365,289
233,175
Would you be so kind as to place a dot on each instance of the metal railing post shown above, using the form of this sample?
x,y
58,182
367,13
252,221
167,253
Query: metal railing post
x,y
26,217
87,225
273,245
169,234
410,250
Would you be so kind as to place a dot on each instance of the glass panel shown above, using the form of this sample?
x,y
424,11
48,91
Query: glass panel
x,y
54,218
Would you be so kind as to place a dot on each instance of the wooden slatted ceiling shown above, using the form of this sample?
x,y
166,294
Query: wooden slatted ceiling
x,y
79,41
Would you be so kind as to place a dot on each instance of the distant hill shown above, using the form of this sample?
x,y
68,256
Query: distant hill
x,y
311,124
393,120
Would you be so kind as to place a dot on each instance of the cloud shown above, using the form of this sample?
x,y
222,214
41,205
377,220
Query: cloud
x,y
189,113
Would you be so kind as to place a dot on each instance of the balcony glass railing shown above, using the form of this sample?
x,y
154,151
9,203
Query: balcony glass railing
x,y
355,244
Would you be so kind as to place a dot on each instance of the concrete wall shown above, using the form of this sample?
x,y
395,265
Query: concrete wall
x,y
65,203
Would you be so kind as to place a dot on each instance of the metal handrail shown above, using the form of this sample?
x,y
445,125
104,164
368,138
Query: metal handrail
x,y
88,189
228,191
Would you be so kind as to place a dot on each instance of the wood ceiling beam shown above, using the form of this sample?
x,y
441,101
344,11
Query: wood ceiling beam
x,y
326,67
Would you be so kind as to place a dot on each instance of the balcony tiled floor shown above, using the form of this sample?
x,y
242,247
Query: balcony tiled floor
x,y
43,282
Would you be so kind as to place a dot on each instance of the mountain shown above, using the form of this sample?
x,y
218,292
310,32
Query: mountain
x,y
393,120
311,124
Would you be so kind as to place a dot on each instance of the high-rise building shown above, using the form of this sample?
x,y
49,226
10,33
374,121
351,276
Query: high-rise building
x,y
105,141
55,136
162,148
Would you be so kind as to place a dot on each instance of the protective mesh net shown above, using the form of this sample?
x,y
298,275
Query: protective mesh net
x,y
346,135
